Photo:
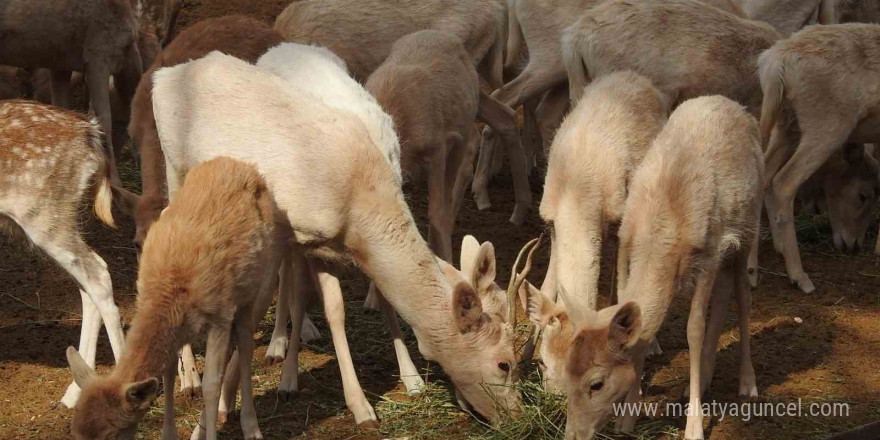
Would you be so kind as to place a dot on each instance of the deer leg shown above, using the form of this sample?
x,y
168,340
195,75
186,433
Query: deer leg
x,y
531,133
720,301
752,261
275,351
439,233
245,331
696,334
169,430
296,279
229,389
334,310
503,119
60,88
190,383
98,82
817,144
462,164
550,113
747,384
215,361
90,272
409,375
88,341
126,82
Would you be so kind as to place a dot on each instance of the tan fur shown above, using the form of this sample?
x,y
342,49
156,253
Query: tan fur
x,y
50,157
236,35
430,88
815,86
706,50
201,271
692,212
592,160
786,16
361,32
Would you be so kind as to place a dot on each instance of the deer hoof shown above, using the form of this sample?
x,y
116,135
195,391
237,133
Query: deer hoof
x,y
287,396
805,284
520,212
369,425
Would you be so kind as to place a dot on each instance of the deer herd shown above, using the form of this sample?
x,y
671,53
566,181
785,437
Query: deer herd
x,y
272,156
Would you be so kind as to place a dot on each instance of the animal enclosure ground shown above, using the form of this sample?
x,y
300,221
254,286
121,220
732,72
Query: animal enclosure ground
x,y
822,347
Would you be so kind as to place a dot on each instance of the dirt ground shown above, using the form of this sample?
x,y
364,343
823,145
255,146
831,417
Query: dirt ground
x,y
822,347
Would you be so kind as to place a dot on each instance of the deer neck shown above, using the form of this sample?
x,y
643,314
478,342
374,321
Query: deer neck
x,y
155,334
578,248
389,249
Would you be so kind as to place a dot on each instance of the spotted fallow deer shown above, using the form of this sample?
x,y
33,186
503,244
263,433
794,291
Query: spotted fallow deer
x,y
97,37
49,158
593,158
211,256
820,83
345,202
346,28
691,214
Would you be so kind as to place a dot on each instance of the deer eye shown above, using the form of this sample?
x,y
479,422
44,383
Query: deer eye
x,y
504,366
596,385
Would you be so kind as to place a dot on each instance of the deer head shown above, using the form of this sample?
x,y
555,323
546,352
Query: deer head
x,y
590,358
485,315
107,408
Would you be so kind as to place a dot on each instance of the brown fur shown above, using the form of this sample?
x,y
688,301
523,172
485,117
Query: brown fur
x,y
430,88
202,269
97,37
236,35
362,32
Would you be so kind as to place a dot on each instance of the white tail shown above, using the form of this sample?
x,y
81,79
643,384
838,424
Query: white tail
x,y
770,72
574,63
102,190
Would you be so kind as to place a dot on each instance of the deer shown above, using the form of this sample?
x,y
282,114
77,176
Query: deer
x,y
430,88
622,35
237,35
201,272
344,204
540,85
50,159
96,37
816,78
692,209
593,158
480,26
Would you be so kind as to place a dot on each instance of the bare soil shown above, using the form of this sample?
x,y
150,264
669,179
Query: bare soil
x,y
821,347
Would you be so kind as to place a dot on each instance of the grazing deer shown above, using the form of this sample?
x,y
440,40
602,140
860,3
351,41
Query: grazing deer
x,y
340,25
430,88
706,51
691,214
823,78
593,158
343,201
97,37
477,266
236,35
48,159
211,255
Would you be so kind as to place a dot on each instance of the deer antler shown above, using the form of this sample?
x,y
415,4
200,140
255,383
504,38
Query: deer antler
x,y
516,280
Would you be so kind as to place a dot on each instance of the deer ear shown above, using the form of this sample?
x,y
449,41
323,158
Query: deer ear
x,y
623,331
82,372
483,274
540,307
139,395
469,249
467,308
